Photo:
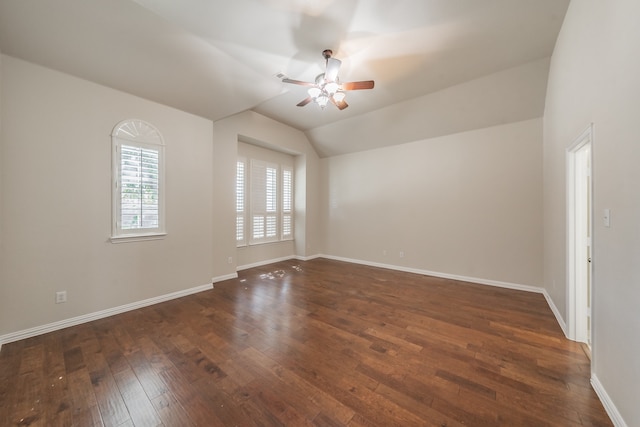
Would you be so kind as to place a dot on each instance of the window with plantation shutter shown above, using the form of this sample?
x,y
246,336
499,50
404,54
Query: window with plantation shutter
x,y
138,199
264,196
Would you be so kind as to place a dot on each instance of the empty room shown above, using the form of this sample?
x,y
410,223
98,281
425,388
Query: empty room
x,y
329,213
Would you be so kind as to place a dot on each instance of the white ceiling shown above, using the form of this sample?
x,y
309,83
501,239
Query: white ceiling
x,y
215,58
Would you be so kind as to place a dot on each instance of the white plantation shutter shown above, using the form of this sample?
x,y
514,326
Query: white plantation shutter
x,y
264,195
139,188
264,198
287,203
258,199
138,199
272,202
272,226
241,178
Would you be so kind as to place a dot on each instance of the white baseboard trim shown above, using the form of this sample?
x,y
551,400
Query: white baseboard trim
x,y
612,411
556,313
265,262
261,263
307,258
225,277
497,283
39,330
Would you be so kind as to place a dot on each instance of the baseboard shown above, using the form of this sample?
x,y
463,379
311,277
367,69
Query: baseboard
x,y
39,330
225,277
516,286
307,258
261,263
612,411
556,313
265,262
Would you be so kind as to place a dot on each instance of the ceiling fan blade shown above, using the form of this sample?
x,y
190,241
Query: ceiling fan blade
x,y
366,84
297,82
340,104
333,65
304,102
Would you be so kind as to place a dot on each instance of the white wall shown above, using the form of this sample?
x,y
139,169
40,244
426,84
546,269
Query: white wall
x,y
56,200
467,204
595,78
3,291
257,129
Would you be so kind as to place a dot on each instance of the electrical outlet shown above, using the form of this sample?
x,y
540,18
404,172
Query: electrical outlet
x,y
401,254
61,296
230,260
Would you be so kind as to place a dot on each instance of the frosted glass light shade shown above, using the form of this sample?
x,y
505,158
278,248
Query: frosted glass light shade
x,y
322,100
331,88
339,96
314,92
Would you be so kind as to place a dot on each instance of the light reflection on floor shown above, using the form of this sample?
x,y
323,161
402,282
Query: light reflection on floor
x,y
267,292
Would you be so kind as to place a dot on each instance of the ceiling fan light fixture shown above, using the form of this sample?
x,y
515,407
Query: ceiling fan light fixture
x,y
314,92
339,96
322,100
331,88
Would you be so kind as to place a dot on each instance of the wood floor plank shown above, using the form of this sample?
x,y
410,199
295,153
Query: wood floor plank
x,y
141,411
197,409
306,398
30,387
149,380
58,402
84,405
170,411
317,343
110,402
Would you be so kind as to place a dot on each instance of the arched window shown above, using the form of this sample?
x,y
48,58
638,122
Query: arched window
x,y
138,181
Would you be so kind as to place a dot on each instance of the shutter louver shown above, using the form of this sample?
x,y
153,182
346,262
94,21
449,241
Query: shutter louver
x,y
258,227
286,226
272,228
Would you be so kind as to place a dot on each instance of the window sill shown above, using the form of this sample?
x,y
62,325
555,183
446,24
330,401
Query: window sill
x,y
137,237
265,242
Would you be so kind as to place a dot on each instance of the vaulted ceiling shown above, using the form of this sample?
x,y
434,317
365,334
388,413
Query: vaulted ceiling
x,y
430,59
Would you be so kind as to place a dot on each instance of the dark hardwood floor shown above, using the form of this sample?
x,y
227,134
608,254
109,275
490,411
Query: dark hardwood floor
x,y
320,343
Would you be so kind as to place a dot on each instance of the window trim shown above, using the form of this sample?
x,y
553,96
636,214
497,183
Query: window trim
x,y
140,134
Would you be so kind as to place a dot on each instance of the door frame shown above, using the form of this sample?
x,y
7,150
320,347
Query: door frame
x,y
578,220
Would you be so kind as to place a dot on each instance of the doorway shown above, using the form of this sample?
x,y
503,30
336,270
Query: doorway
x,y
579,161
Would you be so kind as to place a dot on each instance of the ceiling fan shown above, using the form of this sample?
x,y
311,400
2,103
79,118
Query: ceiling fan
x,y
327,87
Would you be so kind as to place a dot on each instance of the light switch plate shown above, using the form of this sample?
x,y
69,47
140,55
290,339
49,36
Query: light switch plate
x,y
606,218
